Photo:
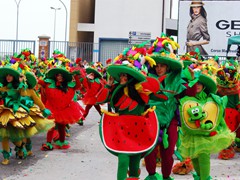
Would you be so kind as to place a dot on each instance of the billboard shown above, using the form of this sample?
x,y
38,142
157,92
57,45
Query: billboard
x,y
222,22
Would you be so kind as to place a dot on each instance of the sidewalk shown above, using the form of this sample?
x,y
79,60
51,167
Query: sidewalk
x,y
87,159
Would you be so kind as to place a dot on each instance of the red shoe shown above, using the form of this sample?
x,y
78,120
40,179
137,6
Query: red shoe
x,y
61,145
227,153
47,147
183,167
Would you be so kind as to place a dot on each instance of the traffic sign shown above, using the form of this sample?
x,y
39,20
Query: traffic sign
x,y
136,37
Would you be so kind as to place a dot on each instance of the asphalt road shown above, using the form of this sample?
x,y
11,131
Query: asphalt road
x,y
87,159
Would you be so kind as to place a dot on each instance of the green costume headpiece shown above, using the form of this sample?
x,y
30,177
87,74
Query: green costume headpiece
x,y
227,74
160,51
59,65
133,61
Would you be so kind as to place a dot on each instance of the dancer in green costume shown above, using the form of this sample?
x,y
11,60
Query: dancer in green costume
x,y
204,129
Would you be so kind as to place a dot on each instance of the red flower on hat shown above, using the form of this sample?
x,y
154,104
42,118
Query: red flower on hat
x,y
78,60
108,61
21,66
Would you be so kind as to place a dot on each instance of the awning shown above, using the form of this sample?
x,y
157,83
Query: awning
x,y
233,40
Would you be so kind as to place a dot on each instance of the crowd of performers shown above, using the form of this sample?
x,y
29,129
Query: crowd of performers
x,y
159,104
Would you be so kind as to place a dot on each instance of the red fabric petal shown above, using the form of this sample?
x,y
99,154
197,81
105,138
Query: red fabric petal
x,y
121,100
125,104
103,95
133,105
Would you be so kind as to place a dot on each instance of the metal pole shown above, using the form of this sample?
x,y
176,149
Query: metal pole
x,y
55,12
65,41
17,3
163,15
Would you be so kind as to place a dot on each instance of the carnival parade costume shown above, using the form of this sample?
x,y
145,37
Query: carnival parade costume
x,y
93,82
203,126
228,84
172,85
132,130
59,98
22,115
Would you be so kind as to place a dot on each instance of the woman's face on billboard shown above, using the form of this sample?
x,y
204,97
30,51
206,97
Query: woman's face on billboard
x,y
196,10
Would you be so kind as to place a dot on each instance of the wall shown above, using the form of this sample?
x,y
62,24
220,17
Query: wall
x,y
115,18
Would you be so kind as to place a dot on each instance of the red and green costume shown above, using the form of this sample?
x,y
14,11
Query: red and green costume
x,y
62,105
229,85
132,131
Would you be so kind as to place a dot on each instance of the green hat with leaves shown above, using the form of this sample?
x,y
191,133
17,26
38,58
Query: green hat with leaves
x,y
161,51
8,70
51,73
31,80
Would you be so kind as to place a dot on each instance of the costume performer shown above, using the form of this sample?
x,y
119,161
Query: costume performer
x,y
60,90
105,76
228,84
78,66
168,71
37,110
203,126
93,83
16,122
132,130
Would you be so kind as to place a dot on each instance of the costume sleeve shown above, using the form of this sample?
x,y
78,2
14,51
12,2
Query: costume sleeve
x,y
42,83
4,89
78,83
36,99
104,94
158,96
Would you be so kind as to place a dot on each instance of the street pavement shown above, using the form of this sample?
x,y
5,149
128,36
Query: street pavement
x,y
87,159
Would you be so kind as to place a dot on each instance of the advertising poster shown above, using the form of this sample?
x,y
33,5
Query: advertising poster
x,y
220,21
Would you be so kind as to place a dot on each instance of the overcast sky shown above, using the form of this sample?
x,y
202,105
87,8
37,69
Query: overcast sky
x,y
37,18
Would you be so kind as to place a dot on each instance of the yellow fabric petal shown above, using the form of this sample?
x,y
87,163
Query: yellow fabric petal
x,y
125,90
27,121
5,117
16,124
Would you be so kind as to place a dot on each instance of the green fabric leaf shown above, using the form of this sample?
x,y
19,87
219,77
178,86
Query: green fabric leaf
x,y
22,85
49,81
221,101
52,85
191,83
186,74
201,95
71,84
97,80
27,101
46,112
165,139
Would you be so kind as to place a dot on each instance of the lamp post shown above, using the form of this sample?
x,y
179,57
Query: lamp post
x,y
65,41
17,3
55,9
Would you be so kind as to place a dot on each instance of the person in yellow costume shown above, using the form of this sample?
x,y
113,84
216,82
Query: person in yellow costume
x,y
16,124
37,110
